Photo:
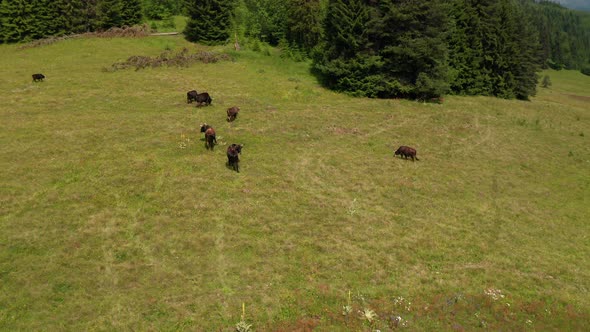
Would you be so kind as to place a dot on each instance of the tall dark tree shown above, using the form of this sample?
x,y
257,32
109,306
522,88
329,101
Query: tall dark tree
x,y
467,73
131,12
410,38
304,23
209,20
494,49
387,48
24,20
108,14
345,61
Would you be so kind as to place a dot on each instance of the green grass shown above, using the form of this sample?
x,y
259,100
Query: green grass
x,y
108,224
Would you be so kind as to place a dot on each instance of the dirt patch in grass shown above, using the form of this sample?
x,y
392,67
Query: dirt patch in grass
x,y
582,98
302,325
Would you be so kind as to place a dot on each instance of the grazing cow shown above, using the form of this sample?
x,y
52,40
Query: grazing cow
x,y
38,77
210,139
233,159
203,98
232,113
191,96
406,151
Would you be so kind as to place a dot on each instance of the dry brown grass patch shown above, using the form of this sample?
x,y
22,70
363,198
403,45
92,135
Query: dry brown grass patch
x,y
181,59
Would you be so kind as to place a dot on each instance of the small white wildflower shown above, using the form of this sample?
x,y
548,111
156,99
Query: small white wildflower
x,y
495,294
529,322
346,310
398,300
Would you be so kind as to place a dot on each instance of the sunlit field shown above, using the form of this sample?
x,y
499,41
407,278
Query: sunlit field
x,y
115,216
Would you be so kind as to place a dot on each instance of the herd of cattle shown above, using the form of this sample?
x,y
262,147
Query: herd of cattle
x,y
234,150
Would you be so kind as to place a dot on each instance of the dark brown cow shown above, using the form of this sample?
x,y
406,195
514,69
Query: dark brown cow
x,y
38,77
233,159
191,96
406,151
232,113
210,139
203,98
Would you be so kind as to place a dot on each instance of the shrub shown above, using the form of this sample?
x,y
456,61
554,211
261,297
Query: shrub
x,y
546,81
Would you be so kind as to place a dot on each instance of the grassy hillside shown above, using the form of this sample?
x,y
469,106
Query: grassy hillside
x,y
114,216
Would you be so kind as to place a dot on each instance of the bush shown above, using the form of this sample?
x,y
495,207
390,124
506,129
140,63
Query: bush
x,y
546,81
585,70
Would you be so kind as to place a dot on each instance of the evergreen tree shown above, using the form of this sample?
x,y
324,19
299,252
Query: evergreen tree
x,y
209,20
345,61
410,38
130,12
19,20
495,50
304,23
91,15
109,14
467,73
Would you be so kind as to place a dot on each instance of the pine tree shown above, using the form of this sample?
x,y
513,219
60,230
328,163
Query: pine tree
x,y
345,60
304,23
209,20
494,49
109,14
467,73
410,38
130,12
19,21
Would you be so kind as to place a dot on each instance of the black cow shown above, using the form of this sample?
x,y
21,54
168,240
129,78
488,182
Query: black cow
x,y
233,159
191,96
406,151
38,77
203,98
210,139
232,113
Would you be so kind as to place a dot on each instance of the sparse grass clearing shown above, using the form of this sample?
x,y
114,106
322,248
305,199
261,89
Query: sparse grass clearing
x,y
115,217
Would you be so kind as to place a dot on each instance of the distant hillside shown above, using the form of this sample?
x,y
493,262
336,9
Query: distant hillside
x,y
576,4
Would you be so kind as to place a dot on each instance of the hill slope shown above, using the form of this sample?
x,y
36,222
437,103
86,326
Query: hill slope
x,y
115,216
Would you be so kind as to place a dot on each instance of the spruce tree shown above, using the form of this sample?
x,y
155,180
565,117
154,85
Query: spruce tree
x,y
130,12
345,61
304,23
19,21
410,38
467,73
109,14
209,20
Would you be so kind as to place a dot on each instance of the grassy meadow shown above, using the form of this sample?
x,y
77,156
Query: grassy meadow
x,y
114,216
